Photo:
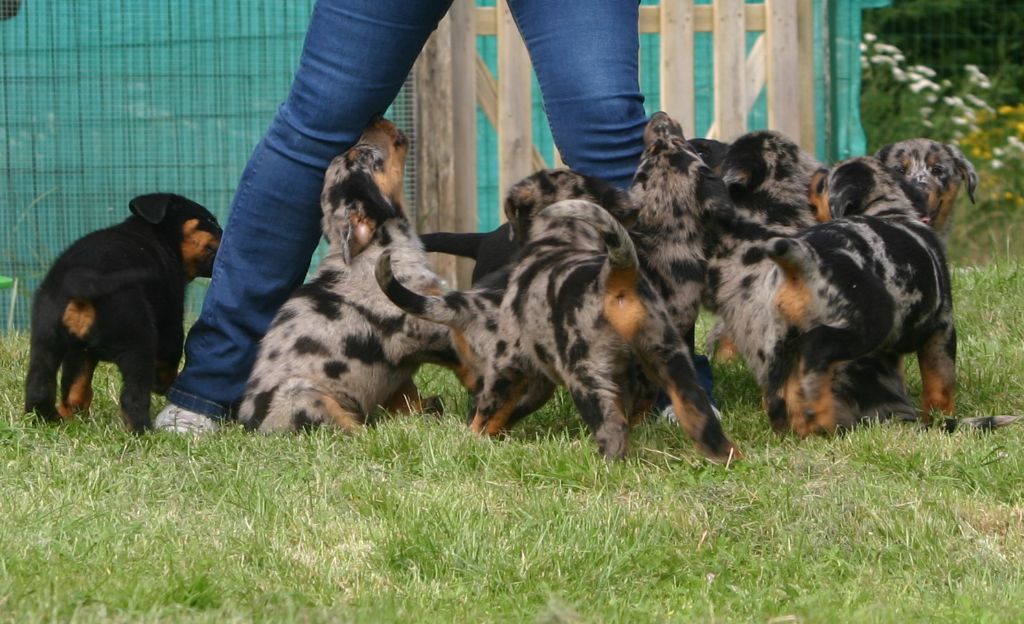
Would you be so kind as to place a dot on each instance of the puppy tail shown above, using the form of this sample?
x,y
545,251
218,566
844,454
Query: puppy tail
x,y
84,283
433,308
793,257
466,245
980,423
621,252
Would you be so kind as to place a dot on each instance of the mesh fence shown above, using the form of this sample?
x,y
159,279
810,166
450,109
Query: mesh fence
x,y
946,35
103,100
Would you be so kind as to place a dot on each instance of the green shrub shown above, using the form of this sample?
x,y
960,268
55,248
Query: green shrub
x,y
901,100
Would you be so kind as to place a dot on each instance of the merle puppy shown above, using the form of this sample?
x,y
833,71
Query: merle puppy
x,y
578,312
338,349
937,170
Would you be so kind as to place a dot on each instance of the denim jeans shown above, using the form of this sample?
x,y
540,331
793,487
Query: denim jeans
x,y
356,56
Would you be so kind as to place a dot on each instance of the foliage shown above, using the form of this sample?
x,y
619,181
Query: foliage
x,y
948,34
416,519
901,100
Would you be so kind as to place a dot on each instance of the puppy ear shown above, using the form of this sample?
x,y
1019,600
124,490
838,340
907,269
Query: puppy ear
x,y
965,168
152,208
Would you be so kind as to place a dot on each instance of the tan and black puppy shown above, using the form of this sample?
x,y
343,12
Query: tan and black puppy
x,y
118,295
338,349
937,170
872,283
578,312
768,178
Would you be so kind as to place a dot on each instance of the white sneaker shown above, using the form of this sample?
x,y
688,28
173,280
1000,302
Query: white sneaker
x,y
180,420
669,414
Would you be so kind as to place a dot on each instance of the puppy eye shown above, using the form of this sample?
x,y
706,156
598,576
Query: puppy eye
x,y
900,169
938,170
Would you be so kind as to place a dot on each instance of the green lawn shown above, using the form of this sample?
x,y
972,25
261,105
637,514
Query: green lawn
x,y
419,520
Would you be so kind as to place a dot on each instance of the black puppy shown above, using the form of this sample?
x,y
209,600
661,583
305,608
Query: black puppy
x,y
118,295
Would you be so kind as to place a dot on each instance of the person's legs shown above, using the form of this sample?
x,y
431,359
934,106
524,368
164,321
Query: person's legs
x,y
356,57
585,55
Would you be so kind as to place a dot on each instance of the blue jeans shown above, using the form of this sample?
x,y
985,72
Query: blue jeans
x,y
355,59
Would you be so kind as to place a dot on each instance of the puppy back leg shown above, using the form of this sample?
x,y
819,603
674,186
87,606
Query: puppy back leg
x,y
136,367
602,411
41,380
76,382
937,361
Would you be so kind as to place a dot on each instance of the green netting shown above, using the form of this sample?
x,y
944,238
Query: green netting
x,y
948,34
103,100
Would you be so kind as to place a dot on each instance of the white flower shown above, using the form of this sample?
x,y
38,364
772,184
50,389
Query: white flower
x,y
953,100
977,102
899,74
996,163
931,98
923,83
870,37
925,111
998,151
960,121
924,70
863,47
881,59
885,48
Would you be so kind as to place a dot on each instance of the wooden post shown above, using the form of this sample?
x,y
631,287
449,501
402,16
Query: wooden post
x,y
782,63
515,105
805,58
435,184
730,60
676,74
463,38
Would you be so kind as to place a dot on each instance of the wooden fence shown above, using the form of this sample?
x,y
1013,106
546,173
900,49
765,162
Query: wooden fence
x,y
451,80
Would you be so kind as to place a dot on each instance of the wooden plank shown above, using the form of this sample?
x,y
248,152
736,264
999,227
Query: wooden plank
x,y
782,67
755,80
650,19
676,74
703,17
808,138
487,98
464,137
730,65
515,105
435,184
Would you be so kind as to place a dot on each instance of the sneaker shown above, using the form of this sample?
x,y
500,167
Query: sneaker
x,y
180,420
669,414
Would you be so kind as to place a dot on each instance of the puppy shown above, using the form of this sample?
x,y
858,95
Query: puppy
x,y
338,349
118,295
677,196
494,250
873,282
936,169
577,312
768,178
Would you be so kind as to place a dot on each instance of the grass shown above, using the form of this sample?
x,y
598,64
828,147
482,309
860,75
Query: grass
x,y
418,520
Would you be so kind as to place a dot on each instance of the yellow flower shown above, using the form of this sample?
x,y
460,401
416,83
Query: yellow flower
x,y
1007,195
1004,109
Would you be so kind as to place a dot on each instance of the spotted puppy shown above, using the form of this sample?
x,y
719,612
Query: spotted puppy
x,y
579,312
678,197
768,179
494,250
873,282
938,170
338,349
